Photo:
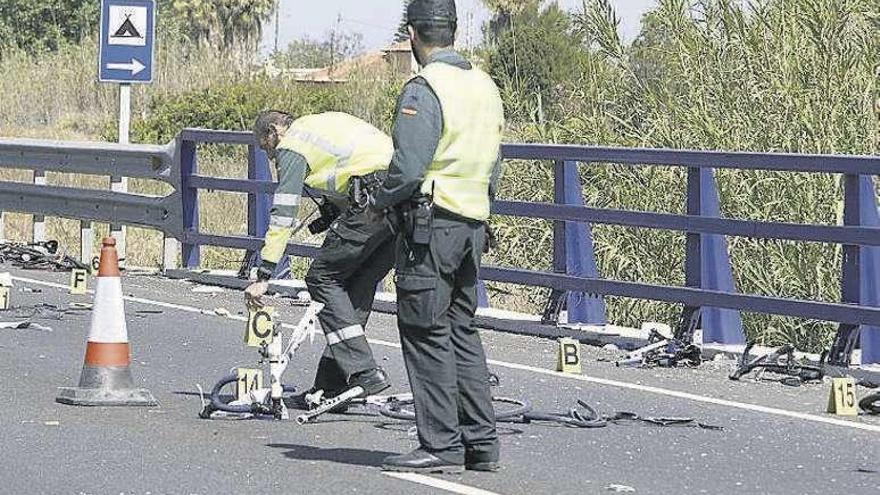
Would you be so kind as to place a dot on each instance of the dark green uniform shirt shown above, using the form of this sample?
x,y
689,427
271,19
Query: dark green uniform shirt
x,y
291,168
418,126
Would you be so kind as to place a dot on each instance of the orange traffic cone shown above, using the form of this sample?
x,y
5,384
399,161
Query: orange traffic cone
x,y
106,376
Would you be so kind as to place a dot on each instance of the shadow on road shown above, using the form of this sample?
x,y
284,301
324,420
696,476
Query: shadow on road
x,y
354,457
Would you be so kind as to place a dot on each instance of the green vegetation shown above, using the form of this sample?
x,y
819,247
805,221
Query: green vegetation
x,y
774,75
308,53
534,52
38,26
786,75
225,21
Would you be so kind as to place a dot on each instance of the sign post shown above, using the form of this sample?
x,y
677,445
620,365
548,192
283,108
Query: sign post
x,y
128,34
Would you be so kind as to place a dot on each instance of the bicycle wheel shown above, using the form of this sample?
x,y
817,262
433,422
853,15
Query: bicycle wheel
x,y
402,409
870,404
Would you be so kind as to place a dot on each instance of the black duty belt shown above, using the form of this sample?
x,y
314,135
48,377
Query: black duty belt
x,y
448,215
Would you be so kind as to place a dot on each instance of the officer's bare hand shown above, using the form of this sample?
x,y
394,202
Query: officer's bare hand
x,y
253,294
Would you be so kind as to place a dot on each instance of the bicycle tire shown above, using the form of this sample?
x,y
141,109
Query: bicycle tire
x,y
573,417
870,403
398,409
217,403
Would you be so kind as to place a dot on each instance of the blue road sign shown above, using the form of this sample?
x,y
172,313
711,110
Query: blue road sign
x,y
128,33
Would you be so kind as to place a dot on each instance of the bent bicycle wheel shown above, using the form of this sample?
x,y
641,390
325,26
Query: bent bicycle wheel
x,y
509,408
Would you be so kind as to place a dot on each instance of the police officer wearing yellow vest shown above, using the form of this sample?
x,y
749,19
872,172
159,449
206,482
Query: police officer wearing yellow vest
x,y
342,159
447,137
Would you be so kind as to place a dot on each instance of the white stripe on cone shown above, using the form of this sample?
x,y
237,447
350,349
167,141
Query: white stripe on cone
x,y
108,313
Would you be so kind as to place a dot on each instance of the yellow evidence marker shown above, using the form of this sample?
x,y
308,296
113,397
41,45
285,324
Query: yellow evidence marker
x,y
842,398
260,326
79,281
248,381
569,357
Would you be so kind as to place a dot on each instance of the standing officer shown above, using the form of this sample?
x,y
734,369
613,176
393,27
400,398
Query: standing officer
x,y
344,159
447,136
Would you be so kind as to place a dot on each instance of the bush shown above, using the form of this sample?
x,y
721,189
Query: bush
x,y
533,55
230,107
234,106
37,26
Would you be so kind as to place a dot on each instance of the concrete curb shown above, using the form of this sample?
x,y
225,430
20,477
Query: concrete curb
x,y
623,337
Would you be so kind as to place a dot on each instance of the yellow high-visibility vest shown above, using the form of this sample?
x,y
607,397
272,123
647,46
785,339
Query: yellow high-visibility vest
x,y
473,123
337,147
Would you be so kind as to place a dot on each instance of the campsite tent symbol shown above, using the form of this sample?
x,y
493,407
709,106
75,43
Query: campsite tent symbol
x,y
127,26
126,30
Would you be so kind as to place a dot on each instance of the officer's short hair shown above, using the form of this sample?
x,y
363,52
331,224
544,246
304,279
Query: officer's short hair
x,y
269,117
435,33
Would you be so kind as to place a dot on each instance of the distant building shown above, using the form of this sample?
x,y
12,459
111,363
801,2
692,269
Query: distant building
x,y
397,57
400,56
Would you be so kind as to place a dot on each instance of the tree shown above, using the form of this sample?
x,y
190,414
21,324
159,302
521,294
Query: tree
x,y
502,15
38,25
223,21
308,53
402,33
539,51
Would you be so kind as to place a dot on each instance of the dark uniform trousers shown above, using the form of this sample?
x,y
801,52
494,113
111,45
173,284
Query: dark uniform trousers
x,y
443,352
357,254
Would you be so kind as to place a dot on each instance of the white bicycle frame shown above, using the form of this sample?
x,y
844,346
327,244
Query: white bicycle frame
x,y
279,357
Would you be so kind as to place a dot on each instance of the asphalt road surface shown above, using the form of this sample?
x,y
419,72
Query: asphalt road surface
x,y
776,439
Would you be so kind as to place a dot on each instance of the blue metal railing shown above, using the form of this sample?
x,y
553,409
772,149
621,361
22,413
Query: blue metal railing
x,y
859,228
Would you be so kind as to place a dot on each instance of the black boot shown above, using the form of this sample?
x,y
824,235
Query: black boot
x,y
372,381
481,461
420,461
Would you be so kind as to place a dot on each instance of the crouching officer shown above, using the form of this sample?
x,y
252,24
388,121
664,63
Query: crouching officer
x,y
344,159
447,136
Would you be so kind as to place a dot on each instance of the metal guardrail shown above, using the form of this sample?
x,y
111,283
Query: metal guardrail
x,y
178,213
155,162
849,313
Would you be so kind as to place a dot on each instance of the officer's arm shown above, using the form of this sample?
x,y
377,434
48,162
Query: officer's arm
x,y
417,129
292,169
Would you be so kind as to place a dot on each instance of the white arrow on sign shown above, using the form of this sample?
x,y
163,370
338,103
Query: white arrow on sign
x,y
135,66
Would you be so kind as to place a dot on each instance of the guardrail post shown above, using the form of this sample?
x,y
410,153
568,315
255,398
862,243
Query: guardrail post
x,y
191,253
259,208
117,231
86,241
482,295
573,253
39,228
870,271
170,249
707,265
557,297
855,212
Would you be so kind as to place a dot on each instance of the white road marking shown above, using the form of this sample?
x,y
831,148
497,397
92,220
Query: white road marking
x,y
448,486
599,381
693,397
